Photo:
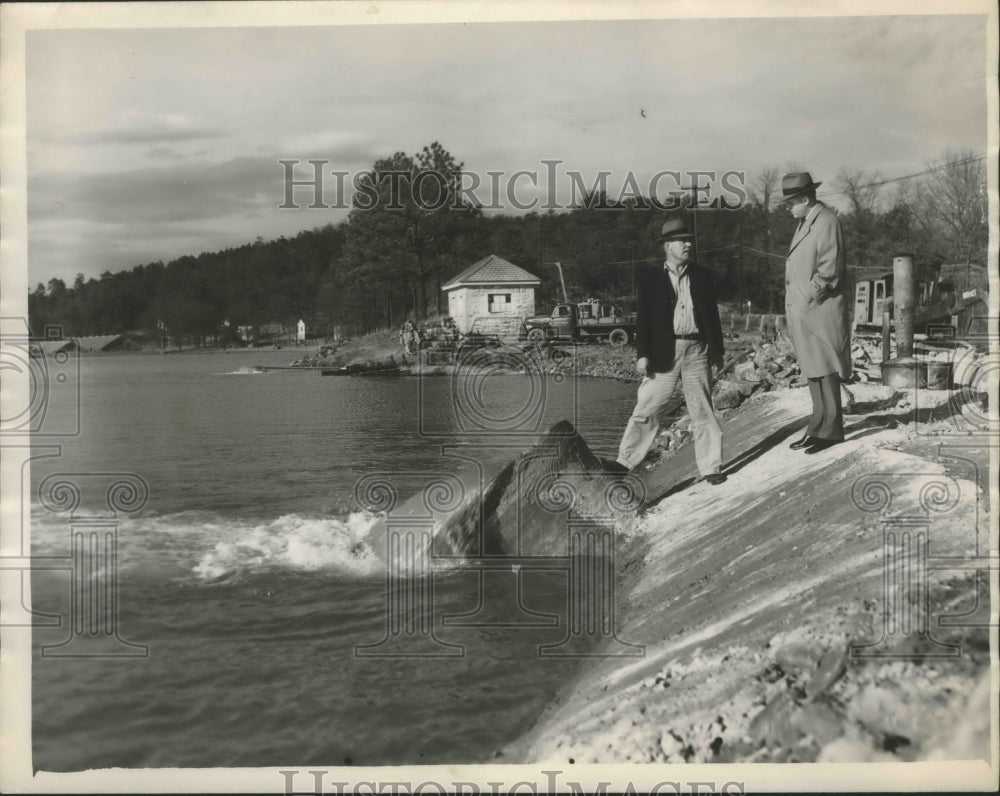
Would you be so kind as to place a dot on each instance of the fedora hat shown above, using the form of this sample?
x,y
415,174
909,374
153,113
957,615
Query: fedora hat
x,y
796,184
675,228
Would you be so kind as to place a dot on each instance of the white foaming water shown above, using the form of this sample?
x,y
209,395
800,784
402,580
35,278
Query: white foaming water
x,y
293,542
213,546
247,370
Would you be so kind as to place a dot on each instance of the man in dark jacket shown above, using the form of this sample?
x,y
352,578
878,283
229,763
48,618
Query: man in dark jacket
x,y
678,335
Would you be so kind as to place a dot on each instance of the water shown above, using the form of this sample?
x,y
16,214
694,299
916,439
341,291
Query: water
x,y
248,574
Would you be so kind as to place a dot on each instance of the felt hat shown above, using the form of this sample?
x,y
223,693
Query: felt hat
x,y
796,184
675,228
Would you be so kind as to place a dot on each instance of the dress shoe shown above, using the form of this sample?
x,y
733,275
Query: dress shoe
x,y
805,442
715,478
818,445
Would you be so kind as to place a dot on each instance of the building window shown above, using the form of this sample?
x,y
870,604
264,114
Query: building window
x,y
498,302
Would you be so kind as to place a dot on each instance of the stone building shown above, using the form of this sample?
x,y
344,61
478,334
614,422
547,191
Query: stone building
x,y
490,288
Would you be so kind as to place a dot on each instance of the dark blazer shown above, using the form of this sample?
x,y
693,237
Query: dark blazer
x,y
654,337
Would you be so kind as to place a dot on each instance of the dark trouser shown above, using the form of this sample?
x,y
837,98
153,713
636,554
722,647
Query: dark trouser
x,y
827,420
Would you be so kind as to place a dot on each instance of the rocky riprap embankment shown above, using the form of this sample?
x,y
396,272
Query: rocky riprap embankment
x,y
761,601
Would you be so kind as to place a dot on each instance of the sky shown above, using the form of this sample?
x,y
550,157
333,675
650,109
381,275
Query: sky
x,y
148,144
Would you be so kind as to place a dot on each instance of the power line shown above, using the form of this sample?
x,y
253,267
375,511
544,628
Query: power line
x,y
934,169
880,183
721,248
636,261
761,251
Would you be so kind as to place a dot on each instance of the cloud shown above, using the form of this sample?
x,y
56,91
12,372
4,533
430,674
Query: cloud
x,y
126,127
148,135
163,153
64,247
178,193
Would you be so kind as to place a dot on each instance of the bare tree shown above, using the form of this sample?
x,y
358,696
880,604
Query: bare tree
x,y
861,189
950,205
763,187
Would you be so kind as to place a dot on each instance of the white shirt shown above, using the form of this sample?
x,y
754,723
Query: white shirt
x,y
684,309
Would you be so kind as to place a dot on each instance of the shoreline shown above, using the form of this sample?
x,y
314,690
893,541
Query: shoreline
x,y
751,616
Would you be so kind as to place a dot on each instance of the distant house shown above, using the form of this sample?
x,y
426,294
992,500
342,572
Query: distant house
x,y
270,333
491,286
311,329
107,342
49,348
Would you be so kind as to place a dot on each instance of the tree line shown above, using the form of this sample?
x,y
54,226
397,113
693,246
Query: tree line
x,y
387,261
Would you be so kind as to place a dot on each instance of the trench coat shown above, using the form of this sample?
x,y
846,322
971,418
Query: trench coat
x,y
817,304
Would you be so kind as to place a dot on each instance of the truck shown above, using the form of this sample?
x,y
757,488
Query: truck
x,y
584,322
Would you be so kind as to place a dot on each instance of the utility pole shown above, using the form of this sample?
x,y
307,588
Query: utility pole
x,y
541,239
739,257
562,282
694,219
635,271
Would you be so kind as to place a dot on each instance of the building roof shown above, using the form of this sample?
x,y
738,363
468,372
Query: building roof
x,y
104,342
492,270
50,347
862,273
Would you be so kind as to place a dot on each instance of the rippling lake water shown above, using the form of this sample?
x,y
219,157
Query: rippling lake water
x,y
248,577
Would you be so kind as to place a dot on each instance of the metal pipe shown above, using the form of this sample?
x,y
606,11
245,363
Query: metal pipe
x,y
904,302
886,316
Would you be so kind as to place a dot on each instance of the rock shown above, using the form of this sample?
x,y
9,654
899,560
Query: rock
x,y
765,363
819,720
672,746
970,738
523,509
745,388
728,399
831,666
798,657
881,708
845,750
773,724
746,371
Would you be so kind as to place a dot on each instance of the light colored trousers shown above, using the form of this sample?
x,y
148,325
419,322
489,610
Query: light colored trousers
x,y
691,366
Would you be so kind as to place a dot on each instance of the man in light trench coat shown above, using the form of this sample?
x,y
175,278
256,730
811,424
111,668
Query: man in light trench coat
x,y
817,308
